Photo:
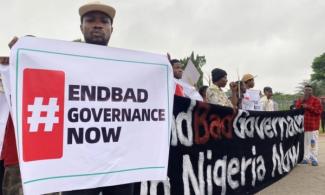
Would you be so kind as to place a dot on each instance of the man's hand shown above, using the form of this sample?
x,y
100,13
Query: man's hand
x,y
4,60
13,42
304,106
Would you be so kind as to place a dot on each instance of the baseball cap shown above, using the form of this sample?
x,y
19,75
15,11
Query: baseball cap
x,y
97,6
247,77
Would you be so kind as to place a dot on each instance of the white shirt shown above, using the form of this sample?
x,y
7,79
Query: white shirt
x,y
189,90
267,104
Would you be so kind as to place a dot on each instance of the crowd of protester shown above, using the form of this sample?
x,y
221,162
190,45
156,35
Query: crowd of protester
x,y
244,96
99,18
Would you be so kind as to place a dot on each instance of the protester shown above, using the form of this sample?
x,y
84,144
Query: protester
x,y
251,97
96,27
178,72
203,92
215,95
266,102
177,68
249,81
313,109
183,88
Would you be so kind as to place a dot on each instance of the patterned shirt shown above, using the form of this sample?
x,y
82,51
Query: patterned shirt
x,y
216,96
312,113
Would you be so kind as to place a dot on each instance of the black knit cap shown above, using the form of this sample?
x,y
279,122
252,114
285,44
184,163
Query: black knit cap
x,y
267,89
217,74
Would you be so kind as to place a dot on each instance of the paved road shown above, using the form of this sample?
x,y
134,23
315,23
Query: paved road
x,y
303,179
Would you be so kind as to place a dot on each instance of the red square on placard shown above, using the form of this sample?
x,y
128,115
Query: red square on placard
x,y
43,112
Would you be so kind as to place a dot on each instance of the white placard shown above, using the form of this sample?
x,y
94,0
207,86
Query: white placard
x,y
251,100
190,74
88,116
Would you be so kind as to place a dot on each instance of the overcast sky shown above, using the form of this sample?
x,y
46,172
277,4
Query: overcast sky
x,y
274,39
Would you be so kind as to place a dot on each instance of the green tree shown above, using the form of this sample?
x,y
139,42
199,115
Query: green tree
x,y
284,100
301,86
199,61
318,87
317,79
318,67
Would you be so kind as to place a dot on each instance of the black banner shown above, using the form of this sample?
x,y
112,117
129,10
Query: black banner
x,y
216,151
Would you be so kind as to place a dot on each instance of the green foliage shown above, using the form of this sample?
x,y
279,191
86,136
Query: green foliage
x,y
301,86
317,80
284,100
199,62
318,68
318,77
318,87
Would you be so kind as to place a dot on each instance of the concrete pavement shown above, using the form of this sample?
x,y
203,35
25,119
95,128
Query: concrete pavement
x,y
303,179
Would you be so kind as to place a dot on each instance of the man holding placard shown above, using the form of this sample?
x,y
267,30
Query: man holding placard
x,y
96,26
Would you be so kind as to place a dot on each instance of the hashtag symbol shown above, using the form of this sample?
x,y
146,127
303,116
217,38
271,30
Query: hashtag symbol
x,y
37,108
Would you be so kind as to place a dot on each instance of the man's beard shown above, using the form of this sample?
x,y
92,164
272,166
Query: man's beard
x,y
97,41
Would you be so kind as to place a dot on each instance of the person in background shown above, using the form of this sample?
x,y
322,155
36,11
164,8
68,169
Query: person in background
x,y
215,94
266,102
183,88
178,73
249,81
177,68
251,97
313,109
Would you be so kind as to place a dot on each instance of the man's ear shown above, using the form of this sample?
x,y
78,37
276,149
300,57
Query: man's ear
x,y
81,28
